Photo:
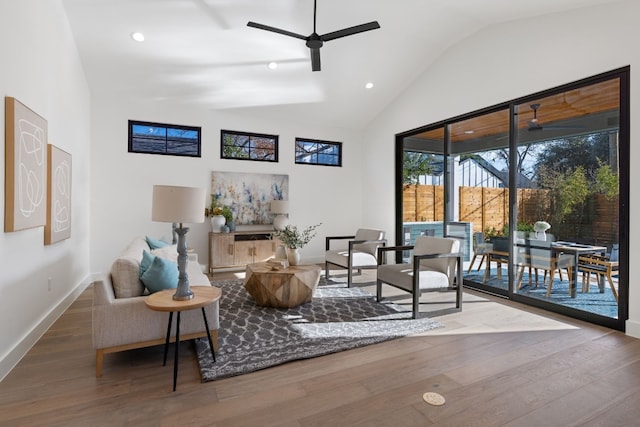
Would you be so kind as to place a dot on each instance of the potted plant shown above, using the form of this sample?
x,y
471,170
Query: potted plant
x,y
227,213
216,212
294,239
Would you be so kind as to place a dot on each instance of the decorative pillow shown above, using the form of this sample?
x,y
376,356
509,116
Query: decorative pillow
x,y
161,274
125,275
156,243
147,259
169,252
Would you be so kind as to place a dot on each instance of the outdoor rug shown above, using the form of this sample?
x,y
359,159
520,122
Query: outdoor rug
x,y
338,318
593,301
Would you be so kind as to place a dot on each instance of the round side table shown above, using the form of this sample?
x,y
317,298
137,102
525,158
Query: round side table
x,y
163,301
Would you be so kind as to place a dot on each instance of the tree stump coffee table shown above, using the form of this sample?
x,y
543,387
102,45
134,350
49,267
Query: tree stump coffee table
x,y
285,288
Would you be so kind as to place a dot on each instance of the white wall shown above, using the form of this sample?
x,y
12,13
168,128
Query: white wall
x,y
505,62
121,182
41,68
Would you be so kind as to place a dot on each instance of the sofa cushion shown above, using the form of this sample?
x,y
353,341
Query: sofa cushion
x,y
161,274
125,276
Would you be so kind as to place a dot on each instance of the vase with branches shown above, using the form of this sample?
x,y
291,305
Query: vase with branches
x,y
294,239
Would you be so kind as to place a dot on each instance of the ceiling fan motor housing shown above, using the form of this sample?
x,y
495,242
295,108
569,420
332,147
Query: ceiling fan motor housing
x,y
314,41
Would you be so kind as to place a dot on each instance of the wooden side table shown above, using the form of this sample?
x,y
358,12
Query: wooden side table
x,y
163,301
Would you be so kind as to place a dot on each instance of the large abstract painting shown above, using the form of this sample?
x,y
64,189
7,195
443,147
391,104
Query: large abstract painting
x,y
58,225
249,194
25,167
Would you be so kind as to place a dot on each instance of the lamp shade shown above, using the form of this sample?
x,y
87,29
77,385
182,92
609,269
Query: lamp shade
x,y
178,204
280,206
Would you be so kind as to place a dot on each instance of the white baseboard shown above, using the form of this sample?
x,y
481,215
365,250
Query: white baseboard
x,y
632,328
14,355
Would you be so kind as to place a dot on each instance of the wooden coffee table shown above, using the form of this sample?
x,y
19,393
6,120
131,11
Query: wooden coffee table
x,y
284,288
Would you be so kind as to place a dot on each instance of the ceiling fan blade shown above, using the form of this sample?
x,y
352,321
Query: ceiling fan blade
x,y
315,59
351,30
276,30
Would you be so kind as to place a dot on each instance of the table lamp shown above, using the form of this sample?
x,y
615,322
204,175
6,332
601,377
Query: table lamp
x,y
281,209
179,205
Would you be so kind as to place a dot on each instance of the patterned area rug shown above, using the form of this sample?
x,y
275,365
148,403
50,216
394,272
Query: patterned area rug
x,y
338,318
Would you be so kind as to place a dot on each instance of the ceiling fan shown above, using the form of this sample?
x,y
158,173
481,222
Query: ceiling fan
x,y
315,41
535,125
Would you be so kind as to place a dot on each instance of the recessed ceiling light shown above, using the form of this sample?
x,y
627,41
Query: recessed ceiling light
x,y
368,85
469,132
272,65
137,36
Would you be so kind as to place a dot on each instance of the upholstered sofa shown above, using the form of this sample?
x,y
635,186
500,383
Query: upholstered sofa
x,y
121,320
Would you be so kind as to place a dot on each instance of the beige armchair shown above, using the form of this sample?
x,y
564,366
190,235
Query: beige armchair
x,y
360,253
436,265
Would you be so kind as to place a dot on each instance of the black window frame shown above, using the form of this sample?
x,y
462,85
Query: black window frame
x,y
338,145
249,135
166,126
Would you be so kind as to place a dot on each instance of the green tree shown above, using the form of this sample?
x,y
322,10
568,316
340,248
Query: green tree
x,y
570,196
415,165
565,155
607,182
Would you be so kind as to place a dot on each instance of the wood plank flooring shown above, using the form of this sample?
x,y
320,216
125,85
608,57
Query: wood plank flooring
x,y
497,363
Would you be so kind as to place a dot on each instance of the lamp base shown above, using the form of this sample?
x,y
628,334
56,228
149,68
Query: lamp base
x,y
186,297
183,292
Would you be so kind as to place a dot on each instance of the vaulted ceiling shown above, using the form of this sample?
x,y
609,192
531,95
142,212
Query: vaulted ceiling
x,y
201,52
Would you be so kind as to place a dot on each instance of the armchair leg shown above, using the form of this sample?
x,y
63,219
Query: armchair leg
x,y
326,271
349,277
378,290
416,304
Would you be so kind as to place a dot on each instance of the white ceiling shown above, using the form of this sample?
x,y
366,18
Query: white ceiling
x,y
201,52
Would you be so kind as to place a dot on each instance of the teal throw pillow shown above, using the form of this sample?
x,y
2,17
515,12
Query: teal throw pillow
x,y
156,243
161,274
147,259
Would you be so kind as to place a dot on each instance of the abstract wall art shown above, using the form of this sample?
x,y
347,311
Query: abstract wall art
x,y
249,194
25,167
58,225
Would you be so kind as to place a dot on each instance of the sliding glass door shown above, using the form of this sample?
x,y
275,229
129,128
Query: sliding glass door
x,y
568,198
534,189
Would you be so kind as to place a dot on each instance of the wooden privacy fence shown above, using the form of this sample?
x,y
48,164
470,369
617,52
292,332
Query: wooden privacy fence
x,y
489,208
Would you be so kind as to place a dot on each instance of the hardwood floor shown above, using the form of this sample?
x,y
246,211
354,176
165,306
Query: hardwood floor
x,y
497,363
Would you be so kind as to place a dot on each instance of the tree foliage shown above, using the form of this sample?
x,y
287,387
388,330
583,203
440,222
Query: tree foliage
x,y
607,182
565,155
573,169
415,165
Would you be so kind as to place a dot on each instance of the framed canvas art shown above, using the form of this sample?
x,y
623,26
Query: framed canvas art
x,y
25,167
249,195
58,226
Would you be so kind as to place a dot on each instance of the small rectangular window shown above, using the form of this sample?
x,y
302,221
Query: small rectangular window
x,y
315,152
248,146
160,138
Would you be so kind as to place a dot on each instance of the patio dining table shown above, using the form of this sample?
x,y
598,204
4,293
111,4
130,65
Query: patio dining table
x,y
559,247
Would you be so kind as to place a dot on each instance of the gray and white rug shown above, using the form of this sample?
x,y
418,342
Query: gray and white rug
x,y
338,318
